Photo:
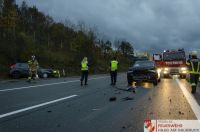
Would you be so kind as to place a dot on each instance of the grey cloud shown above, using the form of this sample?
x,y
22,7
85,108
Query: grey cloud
x,y
151,25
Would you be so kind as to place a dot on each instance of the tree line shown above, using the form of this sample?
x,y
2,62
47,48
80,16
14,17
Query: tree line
x,y
25,31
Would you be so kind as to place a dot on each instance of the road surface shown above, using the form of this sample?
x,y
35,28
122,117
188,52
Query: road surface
x,y
62,105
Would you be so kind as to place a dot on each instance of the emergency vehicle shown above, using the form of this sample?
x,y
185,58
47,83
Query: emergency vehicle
x,y
171,62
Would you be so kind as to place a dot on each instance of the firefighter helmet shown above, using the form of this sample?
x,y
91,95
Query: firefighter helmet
x,y
194,53
33,57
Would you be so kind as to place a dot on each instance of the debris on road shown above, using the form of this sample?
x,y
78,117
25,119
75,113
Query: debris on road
x,y
181,113
49,111
169,113
129,89
112,99
123,127
149,98
127,98
170,100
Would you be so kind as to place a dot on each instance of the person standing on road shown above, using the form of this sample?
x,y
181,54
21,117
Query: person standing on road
x,y
84,71
194,69
113,71
33,66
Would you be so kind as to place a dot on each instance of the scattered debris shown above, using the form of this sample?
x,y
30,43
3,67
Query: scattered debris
x,y
169,113
170,100
49,111
149,98
181,113
129,89
112,99
189,111
123,127
128,98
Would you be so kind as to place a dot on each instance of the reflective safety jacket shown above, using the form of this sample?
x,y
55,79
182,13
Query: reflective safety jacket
x,y
114,65
84,66
33,65
194,66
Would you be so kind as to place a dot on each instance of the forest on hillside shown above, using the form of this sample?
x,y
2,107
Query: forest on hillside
x,y
25,31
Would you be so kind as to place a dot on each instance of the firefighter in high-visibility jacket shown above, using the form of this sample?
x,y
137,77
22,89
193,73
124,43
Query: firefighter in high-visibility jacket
x,y
194,69
113,71
33,67
84,71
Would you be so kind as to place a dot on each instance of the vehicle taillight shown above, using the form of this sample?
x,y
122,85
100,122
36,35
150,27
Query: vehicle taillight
x,y
12,66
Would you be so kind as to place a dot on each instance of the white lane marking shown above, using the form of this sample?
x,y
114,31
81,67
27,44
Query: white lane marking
x,y
33,86
191,100
35,106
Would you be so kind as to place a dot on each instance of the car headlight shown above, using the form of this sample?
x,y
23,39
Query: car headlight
x,y
158,70
165,72
183,69
166,69
184,72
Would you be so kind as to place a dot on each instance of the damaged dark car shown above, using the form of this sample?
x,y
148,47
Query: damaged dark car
x,y
143,71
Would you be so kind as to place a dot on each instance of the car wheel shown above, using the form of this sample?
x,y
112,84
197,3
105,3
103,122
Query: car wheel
x,y
16,75
155,83
130,80
45,75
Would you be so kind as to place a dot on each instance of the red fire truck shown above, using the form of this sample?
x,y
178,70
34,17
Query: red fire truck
x,y
171,62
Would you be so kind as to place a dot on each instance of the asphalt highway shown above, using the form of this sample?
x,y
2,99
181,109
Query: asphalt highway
x,y
62,105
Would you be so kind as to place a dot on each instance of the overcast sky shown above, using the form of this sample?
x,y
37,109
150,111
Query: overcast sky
x,y
151,25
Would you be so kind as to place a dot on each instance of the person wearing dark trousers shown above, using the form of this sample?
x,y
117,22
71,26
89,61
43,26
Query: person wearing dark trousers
x,y
113,71
84,71
194,69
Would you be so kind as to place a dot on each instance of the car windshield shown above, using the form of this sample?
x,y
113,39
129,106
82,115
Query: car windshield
x,y
144,64
174,56
22,65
